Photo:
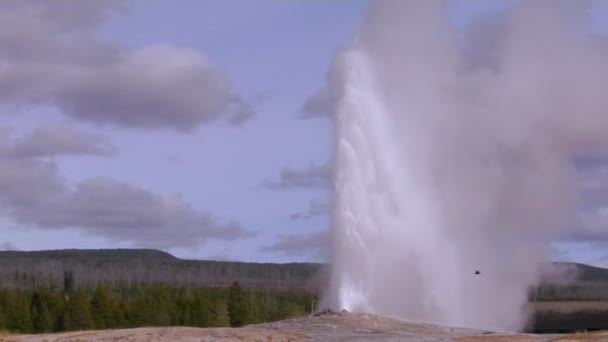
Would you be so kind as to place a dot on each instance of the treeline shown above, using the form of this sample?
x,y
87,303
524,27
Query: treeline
x,y
36,269
580,292
551,322
30,270
103,307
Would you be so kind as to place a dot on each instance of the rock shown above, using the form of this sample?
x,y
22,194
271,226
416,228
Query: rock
x,y
325,312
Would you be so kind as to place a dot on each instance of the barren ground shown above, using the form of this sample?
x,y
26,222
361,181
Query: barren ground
x,y
329,326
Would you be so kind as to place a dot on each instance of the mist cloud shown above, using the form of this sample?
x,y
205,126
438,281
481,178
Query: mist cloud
x,y
457,156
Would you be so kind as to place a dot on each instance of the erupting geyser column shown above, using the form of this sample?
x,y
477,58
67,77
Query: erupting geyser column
x,y
441,170
388,250
376,198
393,254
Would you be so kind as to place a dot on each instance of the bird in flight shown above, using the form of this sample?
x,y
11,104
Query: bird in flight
x,y
477,272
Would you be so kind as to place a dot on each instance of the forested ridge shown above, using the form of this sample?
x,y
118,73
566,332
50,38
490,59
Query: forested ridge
x,y
572,282
87,268
61,290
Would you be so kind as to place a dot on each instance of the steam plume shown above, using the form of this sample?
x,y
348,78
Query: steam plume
x,y
455,155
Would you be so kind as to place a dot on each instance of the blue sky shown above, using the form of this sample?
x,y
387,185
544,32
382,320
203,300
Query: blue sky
x,y
252,175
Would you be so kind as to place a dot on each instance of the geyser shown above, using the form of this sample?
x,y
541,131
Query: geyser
x,y
454,153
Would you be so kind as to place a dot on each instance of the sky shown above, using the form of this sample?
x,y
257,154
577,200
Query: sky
x,y
193,127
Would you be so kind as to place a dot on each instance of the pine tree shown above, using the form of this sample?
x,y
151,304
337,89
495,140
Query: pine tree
x,y
238,308
141,311
20,318
43,320
101,307
68,281
201,309
78,313
56,303
182,309
219,314
160,308
2,318
118,315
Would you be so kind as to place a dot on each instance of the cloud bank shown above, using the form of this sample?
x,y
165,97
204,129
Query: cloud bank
x,y
33,193
50,58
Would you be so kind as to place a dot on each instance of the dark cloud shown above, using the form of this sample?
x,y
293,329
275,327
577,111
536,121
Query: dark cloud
x,y
53,139
315,208
241,111
318,105
316,176
316,244
50,58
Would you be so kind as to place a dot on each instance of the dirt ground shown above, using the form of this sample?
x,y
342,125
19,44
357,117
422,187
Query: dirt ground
x,y
326,326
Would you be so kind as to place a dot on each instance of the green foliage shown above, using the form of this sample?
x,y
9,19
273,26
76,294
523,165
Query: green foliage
x,y
219,313
122,306
102,307
200,309
578,291
42,317
106,289
562,322
238,306
43,321
68,281
78,312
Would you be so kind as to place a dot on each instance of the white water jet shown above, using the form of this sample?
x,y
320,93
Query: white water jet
x,y
373,174
441,170
394,255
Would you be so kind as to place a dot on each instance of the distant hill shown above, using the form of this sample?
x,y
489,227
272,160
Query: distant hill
x,y
568,281
19,269
582,272
88,267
